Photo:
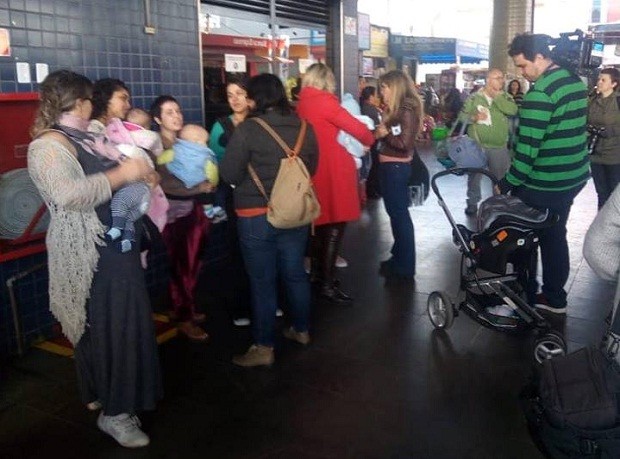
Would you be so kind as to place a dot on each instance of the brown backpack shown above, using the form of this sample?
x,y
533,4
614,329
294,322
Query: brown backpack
x,y
293,202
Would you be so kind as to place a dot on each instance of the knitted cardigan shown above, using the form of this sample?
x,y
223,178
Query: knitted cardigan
x,y
74,230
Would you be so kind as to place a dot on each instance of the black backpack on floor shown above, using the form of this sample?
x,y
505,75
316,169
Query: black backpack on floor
x,y
571,406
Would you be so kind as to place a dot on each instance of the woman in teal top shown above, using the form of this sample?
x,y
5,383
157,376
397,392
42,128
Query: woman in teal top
x,y
220,134
224,127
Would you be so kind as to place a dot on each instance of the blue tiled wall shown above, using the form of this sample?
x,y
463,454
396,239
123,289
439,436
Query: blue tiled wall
x,y
32,301
99,38
105,38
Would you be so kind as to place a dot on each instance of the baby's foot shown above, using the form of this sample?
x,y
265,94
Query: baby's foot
x,y
113,234
125,245
209,210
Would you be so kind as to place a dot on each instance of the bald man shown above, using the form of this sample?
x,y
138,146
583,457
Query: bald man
x,y
487,110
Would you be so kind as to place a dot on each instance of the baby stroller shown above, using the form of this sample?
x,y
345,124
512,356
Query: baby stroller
x,y
497,264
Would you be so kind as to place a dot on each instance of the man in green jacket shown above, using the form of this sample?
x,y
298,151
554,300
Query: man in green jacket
x,y
551,163
487,111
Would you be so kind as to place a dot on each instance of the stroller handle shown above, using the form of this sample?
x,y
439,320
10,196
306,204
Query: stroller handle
x,y
460,171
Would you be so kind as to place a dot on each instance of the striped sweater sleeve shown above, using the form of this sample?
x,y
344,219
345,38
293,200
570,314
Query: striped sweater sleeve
x,y
534,117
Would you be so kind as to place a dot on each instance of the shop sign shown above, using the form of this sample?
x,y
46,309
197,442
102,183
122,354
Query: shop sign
x,y
471,49
363,31
235,63
401,45
379,42
234,41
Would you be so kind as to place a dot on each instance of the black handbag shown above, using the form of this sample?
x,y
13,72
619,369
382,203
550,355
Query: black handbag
x,y
419,180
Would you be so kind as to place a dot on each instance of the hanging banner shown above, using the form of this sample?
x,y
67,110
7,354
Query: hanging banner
x,y
379,42
235,63
363,31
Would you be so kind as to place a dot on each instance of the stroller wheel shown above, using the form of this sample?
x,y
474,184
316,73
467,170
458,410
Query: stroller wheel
x,y
440,310
549,346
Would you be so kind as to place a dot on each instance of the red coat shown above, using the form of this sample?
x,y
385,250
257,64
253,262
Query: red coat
x,y
336,179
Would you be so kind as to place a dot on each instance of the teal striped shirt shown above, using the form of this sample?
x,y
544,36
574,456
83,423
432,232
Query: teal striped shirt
x,y
551,152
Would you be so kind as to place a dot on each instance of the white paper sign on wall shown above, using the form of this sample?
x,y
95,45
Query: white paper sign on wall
x,y
235,62
304,64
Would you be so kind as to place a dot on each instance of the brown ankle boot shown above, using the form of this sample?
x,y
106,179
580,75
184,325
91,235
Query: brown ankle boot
x,y
256,355
302,338
192,331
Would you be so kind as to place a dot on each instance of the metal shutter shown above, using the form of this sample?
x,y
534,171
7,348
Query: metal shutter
x,y
252,6
316,11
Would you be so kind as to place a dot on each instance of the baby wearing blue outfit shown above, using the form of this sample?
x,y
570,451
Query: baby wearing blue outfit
x,y
350,143
192,162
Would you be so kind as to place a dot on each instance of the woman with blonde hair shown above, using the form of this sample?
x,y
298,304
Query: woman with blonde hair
x,y
401,124
335,180
97,293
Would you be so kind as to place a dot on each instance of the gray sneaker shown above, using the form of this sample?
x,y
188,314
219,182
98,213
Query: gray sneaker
x,y
124,428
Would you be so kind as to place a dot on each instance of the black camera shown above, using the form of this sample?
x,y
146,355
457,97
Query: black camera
x,y
577,52
595,133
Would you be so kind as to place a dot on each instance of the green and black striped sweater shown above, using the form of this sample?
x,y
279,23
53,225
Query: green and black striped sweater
x,y
551,152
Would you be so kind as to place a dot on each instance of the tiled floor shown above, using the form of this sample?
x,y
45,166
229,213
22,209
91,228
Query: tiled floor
x,y
377,381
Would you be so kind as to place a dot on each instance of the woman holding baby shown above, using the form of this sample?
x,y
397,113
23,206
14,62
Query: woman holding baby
x,y
187,228
97,292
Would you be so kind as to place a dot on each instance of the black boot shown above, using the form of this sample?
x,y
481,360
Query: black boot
x,y
334,295
316,256
331,236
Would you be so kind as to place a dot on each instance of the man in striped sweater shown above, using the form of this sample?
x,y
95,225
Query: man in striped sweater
x,y
551,163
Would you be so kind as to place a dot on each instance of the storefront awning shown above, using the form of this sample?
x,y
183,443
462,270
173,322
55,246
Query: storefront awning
x,y
434,50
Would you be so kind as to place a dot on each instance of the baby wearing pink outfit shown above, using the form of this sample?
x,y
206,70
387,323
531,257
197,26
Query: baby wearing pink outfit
x,y
135,131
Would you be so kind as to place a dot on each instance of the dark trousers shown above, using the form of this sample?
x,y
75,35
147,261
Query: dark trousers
x,y
606,178
553,244
270,253
185,240
394,178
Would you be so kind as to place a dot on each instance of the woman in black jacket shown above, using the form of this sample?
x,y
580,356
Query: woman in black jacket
x,y
269,253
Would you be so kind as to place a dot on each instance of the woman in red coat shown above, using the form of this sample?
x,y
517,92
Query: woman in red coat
x,y
336,178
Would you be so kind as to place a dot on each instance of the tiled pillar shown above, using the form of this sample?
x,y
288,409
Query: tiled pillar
x,y
342,50
510,17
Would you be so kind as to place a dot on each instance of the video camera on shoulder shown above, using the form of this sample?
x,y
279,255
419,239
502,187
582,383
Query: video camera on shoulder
x,y
577,52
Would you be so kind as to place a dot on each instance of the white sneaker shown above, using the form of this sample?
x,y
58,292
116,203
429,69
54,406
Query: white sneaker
x,y
124,428
341,262
241,322
94,405
502,310
279,312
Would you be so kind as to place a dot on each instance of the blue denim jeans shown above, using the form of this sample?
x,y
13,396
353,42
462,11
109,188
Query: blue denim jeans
x,y
394,177
270,254
553,244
